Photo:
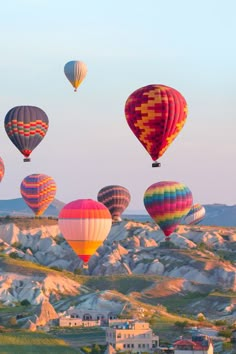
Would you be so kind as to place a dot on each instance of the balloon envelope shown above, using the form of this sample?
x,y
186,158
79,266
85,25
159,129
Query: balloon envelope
x,y
38,191
2,169
115,198
84,223
156,114
75,72
167,202
195,215
26,126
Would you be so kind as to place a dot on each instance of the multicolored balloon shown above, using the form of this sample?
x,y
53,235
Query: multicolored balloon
x,y
195,215
167,203
75,72
116,198
38,191
26,126
84,223
156,114
2,169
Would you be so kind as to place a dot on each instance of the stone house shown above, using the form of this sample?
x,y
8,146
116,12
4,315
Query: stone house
x,y
132,336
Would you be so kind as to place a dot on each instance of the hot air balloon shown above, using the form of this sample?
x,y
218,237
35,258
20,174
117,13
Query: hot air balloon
x,y
2,169
156,114
167,202
84,223
38,191
75,72
26,126
195,215
116,199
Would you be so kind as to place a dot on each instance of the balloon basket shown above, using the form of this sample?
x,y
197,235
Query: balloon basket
x,y
156,164
26,159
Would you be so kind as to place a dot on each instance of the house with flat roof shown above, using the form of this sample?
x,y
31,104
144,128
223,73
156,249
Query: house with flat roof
x,y
133,336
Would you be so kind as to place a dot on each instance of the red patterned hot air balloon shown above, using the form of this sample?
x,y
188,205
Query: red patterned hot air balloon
x,y
84,223
156,114
38,191
116,199
167,203
2,169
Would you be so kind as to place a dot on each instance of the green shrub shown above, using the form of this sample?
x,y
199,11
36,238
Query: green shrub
x,y
25,302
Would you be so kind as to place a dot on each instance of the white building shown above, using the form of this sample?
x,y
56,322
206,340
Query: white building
x,y
92,315
69,321
132,335
199,344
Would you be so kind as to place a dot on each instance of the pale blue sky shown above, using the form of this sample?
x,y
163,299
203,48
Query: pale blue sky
x,y
126,44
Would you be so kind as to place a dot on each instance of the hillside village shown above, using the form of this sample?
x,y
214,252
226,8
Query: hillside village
x,y
135,278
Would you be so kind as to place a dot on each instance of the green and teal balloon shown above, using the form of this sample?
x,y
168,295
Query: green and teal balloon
x,y
167,203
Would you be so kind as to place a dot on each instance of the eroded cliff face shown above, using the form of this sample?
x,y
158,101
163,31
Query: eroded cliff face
x,y
196,257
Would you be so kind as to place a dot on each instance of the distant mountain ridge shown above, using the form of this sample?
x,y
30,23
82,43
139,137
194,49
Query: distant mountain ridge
x,y
18,207
216,214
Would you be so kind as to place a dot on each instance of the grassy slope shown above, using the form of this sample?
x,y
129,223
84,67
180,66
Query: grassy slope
x,y
23,342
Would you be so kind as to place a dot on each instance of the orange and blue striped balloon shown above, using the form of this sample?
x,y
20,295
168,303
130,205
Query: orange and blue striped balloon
x,y
167,203
116,198
38,191
84,223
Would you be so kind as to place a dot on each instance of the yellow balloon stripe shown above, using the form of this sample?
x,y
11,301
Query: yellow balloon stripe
x,y
85,247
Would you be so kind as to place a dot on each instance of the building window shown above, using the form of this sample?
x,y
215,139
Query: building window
x,y
132,346
143,345
139,345
128,345
118,335
124,346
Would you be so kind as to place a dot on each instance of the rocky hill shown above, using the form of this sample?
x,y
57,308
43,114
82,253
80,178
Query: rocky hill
x,y
134,268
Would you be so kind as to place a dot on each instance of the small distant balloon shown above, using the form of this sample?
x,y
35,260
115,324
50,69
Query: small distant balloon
x,y
85,224
116,198
195,215
2,169
38,191
167,203
26,126
75,72
156,114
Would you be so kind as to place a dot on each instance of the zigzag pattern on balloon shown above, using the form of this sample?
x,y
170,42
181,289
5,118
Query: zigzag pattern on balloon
x,y
26,129
38,191
156,114
167,203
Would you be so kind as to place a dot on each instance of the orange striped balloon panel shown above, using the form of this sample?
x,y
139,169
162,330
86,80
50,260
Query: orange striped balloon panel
x,y
115,198
38,191
156,114
84,223
2,169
